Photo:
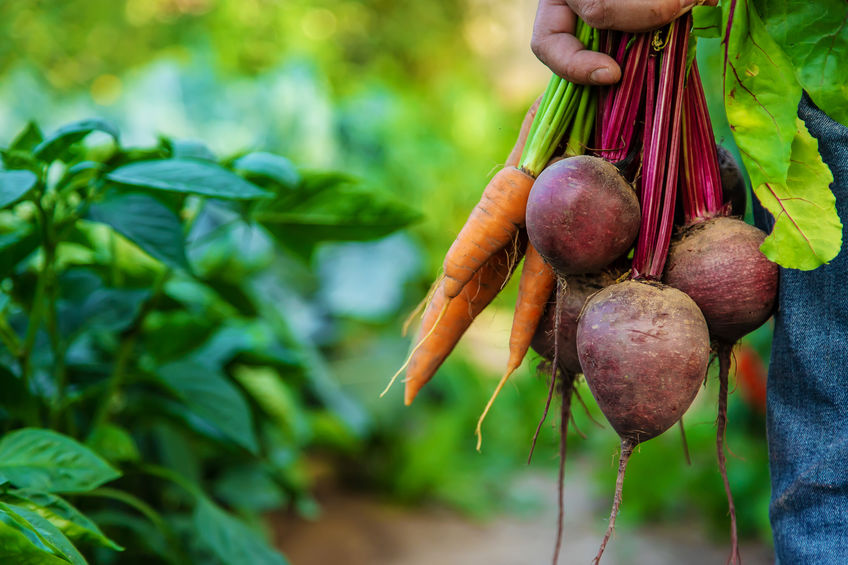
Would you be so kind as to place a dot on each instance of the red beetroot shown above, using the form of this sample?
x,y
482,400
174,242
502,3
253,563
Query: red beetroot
x,y
582,215
718,263
644,348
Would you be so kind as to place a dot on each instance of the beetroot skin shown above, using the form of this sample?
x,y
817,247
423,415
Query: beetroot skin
x,y
644,349
582,215
718,263
578,289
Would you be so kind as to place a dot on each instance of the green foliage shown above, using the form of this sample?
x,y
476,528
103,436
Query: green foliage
x,y
762,94
130,354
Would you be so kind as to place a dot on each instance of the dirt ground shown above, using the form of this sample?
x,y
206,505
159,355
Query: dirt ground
x,y
356,530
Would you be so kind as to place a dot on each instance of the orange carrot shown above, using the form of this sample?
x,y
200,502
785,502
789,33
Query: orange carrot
x,y
446,319
534,290
518,148
491,226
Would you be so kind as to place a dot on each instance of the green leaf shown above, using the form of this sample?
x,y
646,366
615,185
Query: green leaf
x,y
187,176
48,461
19,545
146,222
188,149
113,443
27,138
62,514
211,395
815,37
14,185
268,166
230,539
706,21
328,207
17,246
79,174
57,143
47,533
761,96
807,231
761,99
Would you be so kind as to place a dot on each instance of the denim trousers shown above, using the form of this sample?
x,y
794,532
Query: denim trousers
x,y
807,414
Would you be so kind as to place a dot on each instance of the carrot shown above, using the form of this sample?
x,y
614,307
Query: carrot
x,y
446,319
493,223
523,133
534,289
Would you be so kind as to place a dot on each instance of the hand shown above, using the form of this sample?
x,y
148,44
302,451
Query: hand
x,y
556,46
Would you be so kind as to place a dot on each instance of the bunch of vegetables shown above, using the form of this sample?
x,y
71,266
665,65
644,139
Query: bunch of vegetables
x,y
637,270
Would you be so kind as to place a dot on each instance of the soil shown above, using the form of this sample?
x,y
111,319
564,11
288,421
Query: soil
x,y
355,529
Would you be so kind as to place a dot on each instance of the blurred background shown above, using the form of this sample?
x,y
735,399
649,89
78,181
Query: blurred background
x,y
421,100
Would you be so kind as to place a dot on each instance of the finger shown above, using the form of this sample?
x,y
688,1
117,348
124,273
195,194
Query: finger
x,y
556,46
632,15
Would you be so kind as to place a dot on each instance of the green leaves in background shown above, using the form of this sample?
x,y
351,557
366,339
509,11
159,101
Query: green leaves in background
x,y
187,176
815,37
210,395
229,539
331,207
261,166
51,462
14,185
57,143
146,222
761,100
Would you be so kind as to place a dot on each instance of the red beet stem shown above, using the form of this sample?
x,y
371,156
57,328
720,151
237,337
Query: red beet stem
x,y
662,153
724,350
627,447
567,383
700,178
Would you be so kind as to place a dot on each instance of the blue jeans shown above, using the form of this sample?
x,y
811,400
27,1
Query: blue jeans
x,y
808,388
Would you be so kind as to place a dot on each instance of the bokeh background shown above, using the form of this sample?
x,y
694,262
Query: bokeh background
x,y
422,100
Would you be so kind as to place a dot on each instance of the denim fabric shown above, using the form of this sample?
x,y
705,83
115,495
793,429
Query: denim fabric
x,y
808,389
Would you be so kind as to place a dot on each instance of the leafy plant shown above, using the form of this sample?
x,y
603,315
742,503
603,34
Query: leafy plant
x,y
150,368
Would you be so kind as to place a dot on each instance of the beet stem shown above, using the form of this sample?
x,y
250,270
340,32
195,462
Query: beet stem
x,y
626,451
724,350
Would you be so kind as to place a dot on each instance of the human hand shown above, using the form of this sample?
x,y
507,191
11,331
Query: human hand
x,y
556,46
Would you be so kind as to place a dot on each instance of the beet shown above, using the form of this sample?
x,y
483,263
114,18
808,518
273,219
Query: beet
x,y
718,263
644,349
582,215
733,186
578,288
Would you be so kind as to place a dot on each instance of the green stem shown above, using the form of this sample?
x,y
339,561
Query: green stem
x,y
174,477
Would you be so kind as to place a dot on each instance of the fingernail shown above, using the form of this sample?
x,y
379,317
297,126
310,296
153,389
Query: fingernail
x,y
601,75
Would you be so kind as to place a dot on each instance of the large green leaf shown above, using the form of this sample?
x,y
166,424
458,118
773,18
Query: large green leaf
x,y
230,539
28,138
16,246
146,222
211,395
51,462
187,176
47,533
19,545
802,208
62,514
330,207
14,185
815,37
57,143
761,100
113,443
268,166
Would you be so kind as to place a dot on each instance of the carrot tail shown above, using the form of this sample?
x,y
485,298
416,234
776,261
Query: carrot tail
x,y
626,451
419,309
724,350
479,430
416,348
